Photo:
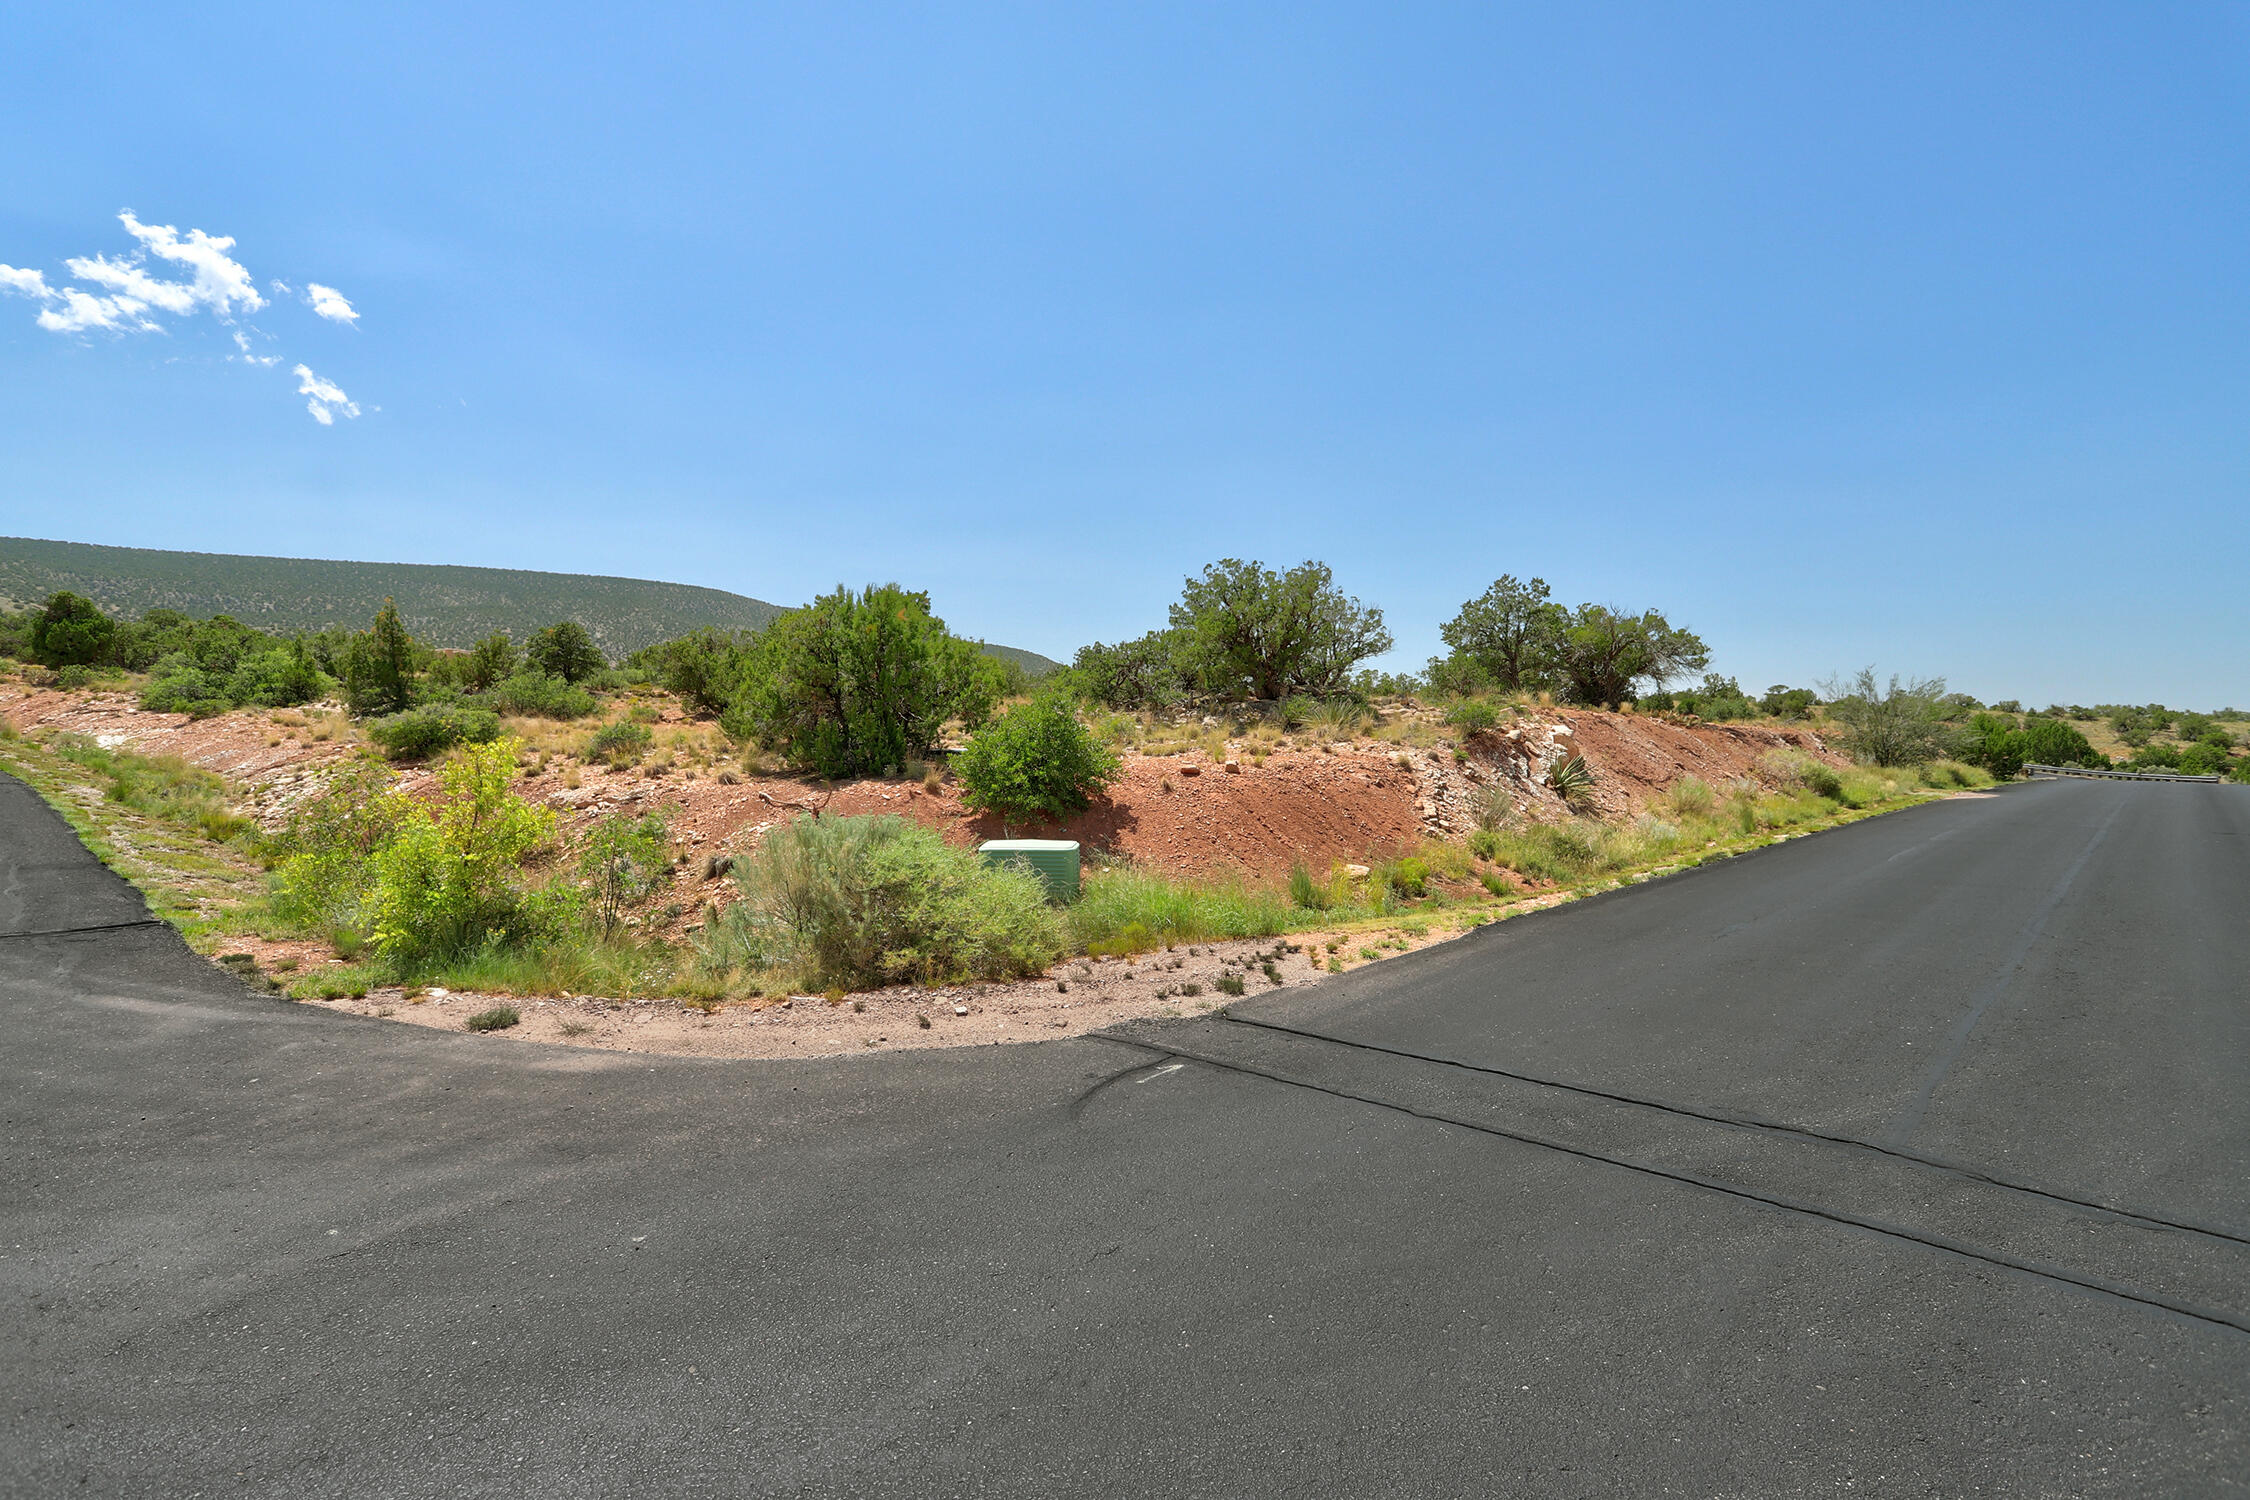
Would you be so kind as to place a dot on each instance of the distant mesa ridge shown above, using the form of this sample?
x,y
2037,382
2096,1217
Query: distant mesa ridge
x,y
443,604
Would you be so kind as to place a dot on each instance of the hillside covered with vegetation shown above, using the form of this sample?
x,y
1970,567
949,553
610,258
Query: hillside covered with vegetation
x,y
443,605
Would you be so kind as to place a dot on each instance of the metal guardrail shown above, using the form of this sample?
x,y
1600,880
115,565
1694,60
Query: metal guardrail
x,y
2117,775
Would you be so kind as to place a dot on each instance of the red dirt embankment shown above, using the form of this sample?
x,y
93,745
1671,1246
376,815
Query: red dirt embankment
x,y
1182,815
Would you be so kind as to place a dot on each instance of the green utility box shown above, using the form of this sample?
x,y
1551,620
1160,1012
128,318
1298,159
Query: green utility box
x,y
1054,861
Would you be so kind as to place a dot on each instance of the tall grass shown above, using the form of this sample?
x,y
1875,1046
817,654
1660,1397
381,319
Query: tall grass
x,y
163,787
1132,911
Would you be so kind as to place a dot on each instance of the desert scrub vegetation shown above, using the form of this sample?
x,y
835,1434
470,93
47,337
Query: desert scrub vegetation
x,y
1037,760
1695,820
419,733
867,901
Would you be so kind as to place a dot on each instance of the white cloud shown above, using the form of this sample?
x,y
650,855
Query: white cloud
x,y
242,342
329,303
26,283
122,295
81,311
220,282
327,398
132,281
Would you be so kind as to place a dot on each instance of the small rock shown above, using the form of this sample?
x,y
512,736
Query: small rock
x,y
1232,768
438,994
960,1010
1191,770
1357,872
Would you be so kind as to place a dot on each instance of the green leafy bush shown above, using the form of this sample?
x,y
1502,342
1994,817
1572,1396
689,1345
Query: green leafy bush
x,y
1472,716
1036,760
448,879
492,660
1246,631
1899,725
70,631
1784,702
857,681
420,733
708,669
1143,673
534,693
566,651
499,1018
2204,759
624,860
871,901
2054,742
619,743
326,851
180,685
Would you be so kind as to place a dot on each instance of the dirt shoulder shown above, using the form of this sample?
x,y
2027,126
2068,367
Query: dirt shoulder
x,y
1076,996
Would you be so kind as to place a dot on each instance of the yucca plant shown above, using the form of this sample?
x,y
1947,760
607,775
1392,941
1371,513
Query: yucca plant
x,y
1573,781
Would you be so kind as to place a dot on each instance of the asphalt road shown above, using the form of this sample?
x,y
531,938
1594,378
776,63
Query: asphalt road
x,y
1909,1159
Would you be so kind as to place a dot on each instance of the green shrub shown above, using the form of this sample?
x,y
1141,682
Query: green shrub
x,y
1230,984
1409,876
625,860
1484,843
1472,716
499,1018
858,681
1899,725
277,677
1038,759
420,733
619,743
534,693
564,650
1784,702
2204,759
326,851
1794,769
2054,742
179,685
1304,890
448,879
870,901
70,631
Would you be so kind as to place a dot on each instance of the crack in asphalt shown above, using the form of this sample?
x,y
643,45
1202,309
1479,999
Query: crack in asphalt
x,y
2023,1265
95,927
1758,1124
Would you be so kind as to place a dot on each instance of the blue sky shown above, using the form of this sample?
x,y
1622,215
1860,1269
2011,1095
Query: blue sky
x,y
1903,334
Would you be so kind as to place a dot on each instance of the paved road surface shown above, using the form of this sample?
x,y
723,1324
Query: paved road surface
x,y
1912,1159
